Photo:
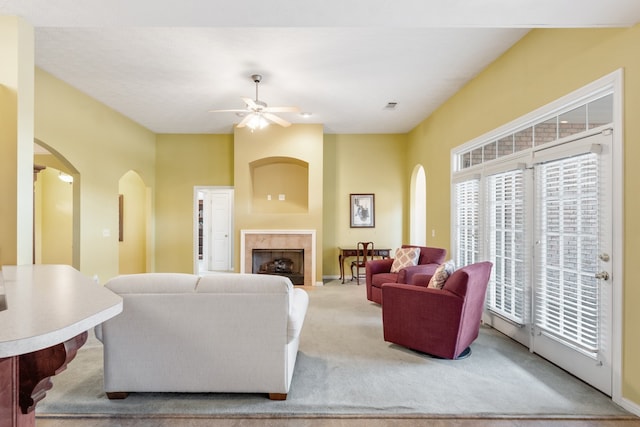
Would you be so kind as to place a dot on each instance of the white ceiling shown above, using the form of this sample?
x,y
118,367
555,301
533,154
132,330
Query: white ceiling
x,y
165,64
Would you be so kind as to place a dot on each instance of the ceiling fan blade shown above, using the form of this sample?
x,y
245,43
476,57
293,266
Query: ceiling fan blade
x,y
251,103
278,120
245,120
281,110
229,111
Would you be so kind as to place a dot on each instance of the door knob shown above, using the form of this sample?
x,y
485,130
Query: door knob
x,y
602,275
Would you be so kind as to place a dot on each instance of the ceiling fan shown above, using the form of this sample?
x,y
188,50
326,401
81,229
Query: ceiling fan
x,y
257,114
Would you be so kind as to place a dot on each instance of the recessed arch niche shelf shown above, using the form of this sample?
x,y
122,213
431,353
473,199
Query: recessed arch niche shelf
x,y
279,185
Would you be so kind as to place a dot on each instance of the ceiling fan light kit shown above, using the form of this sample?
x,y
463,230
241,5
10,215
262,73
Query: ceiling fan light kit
x,y
257,121
257,115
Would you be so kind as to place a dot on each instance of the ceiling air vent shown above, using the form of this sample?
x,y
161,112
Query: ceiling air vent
x,y
391,106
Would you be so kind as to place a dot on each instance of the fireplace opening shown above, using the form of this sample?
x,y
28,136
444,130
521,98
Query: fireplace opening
x,y
280,262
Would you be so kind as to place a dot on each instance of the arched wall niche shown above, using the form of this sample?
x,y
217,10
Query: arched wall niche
x,y
279,185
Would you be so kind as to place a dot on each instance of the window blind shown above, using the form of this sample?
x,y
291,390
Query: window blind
x,y
505,201
467,197
567,295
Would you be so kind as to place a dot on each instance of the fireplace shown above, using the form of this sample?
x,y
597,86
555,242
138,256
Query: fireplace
x,y
280,241
280,262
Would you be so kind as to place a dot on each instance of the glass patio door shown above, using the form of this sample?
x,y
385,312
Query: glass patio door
x,y
572,284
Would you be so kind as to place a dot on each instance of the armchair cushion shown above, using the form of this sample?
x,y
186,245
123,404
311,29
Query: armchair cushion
x,y
405,257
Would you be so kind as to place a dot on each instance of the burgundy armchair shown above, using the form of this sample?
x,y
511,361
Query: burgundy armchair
x,y
379,271
441,322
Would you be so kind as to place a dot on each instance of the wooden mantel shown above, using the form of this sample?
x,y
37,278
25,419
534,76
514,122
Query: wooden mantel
x,y
46,314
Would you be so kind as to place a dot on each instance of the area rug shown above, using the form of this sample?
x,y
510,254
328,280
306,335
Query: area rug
x,y
345,367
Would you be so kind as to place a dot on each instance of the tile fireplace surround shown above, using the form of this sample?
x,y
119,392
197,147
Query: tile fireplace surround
x,y
280,239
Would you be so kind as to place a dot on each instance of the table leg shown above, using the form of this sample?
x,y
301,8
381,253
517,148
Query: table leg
x,y
340,263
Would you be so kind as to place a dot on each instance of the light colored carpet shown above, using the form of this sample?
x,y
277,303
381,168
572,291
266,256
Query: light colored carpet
x,y
344,367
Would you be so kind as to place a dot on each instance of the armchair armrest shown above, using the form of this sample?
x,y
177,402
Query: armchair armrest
x,y
376,266
407,273
420,279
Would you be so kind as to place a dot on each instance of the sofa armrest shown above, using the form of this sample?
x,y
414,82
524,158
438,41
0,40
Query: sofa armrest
x,y
407,273
98,331
297,313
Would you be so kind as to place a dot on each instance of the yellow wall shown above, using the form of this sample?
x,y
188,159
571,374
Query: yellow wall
x,y
54,218
182,162
101,145
364,164
133,247
545,65
16,140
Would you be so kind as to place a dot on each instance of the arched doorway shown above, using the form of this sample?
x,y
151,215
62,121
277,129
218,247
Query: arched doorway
x,y
418,211
133,220
56,186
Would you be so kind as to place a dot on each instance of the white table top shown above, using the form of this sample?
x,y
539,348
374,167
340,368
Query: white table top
x,y
49,304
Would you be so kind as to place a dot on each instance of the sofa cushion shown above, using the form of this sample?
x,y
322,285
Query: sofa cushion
x,y
405,257
441,275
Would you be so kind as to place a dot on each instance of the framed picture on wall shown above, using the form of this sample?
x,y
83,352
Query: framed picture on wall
x,y
362,211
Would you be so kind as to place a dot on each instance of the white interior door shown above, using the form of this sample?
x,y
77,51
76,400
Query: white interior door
x,y
572,284
217,238
220,254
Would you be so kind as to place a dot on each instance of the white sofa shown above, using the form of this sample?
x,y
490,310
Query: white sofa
x,y
218,333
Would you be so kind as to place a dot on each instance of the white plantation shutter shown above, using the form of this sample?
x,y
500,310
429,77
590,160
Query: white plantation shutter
x,y
567,235
507,244
467,223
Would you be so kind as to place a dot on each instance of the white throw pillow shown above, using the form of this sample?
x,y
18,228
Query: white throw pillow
x,y
405,257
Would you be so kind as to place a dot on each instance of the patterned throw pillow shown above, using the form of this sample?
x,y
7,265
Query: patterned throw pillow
x,y
405,257
441,275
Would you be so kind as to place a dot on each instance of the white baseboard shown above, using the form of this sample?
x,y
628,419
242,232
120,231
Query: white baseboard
x,y
630,406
